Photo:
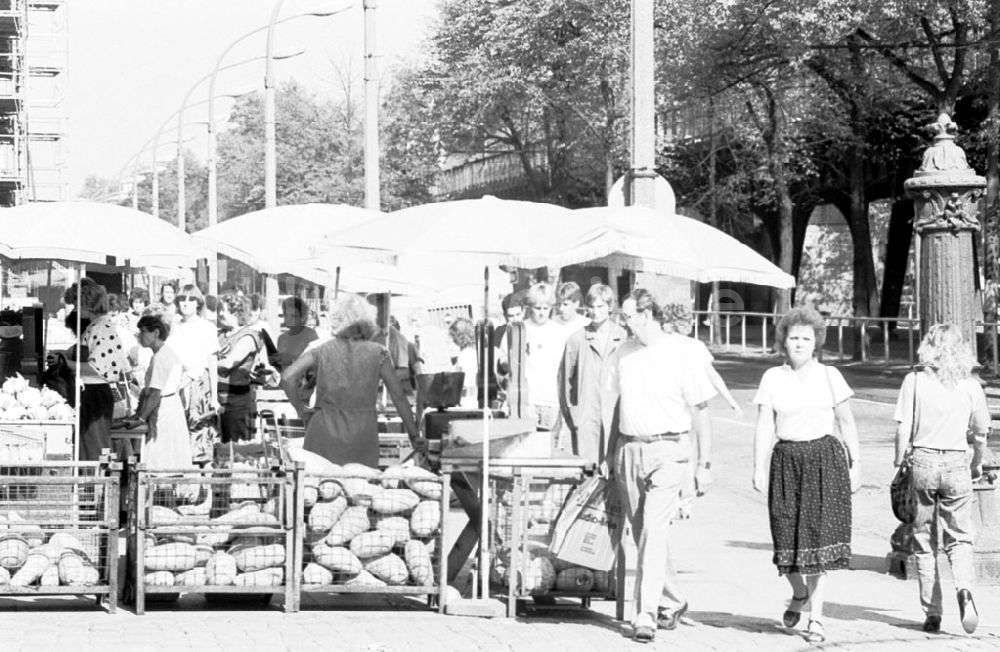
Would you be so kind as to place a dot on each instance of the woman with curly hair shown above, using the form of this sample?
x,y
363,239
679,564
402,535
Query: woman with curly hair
x,y
809,478
343,427
937,406
239,349
463,334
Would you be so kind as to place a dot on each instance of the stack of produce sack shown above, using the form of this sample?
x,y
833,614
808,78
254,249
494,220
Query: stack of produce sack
x,y
371,528
546,574
18,401
28,559
188,549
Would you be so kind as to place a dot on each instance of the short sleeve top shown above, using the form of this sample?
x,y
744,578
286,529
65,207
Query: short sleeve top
x,y
943,415
108,348
165,371
803,403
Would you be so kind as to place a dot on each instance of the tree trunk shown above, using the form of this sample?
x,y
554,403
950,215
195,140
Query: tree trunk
x,y
897,257
777,155
865,300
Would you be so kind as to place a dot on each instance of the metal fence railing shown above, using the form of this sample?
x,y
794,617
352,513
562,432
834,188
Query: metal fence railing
x,y
887,339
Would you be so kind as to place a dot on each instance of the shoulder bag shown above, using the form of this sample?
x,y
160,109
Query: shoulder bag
x,y
902,495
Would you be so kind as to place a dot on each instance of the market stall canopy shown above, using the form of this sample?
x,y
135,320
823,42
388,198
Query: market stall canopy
x,y
486,231
644,239
90,232
277,240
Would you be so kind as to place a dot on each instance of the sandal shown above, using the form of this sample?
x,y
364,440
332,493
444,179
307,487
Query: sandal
x,y
644,634
791,616
815,633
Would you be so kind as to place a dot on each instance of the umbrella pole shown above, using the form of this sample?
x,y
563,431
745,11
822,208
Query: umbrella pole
x,y
484,533
336,284
76,384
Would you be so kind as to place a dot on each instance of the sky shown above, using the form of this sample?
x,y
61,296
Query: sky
x,y
131,62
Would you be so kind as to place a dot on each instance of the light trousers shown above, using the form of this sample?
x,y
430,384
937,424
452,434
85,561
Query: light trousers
x,y
943,481
649,476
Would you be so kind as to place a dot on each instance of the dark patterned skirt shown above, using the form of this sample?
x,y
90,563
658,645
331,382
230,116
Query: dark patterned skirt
x,y
809,502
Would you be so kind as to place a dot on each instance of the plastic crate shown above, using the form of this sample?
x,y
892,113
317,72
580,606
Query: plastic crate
x,y
213,531
525,503
61,531
408,516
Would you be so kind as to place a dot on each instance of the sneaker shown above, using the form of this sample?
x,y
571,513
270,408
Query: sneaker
x,y
967,608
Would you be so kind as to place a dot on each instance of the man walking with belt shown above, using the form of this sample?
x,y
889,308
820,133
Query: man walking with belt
x,y
661,391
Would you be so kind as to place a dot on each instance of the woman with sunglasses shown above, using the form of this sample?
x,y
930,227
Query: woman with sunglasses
x,y
195,341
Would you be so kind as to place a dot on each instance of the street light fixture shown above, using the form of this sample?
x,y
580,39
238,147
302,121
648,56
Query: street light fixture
x,y
270,144
210,161
180,128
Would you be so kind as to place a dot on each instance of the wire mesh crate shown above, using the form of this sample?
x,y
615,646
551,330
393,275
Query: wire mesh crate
x,y
525,504
60,529
362,530
19,444
213,531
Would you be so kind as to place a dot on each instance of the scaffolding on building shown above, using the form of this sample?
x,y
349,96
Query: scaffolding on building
x,y
33,62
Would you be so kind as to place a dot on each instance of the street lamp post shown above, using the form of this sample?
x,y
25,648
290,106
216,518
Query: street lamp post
x,y
181,200
210,159
373,198
270,144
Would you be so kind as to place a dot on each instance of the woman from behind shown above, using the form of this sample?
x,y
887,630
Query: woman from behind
x,y
343,427
941,410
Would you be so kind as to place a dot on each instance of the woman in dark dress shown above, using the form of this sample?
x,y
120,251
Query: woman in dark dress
x,y
811,474
343,427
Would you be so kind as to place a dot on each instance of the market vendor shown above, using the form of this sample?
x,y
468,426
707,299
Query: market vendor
x,y
239,355
343,426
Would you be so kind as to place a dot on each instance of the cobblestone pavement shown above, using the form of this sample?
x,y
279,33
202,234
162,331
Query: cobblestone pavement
x,y
723,555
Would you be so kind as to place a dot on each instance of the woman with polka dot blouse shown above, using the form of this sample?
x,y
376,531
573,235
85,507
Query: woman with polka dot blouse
x,y
107,348
810,476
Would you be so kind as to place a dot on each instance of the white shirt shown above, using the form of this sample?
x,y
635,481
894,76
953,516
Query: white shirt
x,y
658,385
802,403
575,323
195,342
541,363
944,415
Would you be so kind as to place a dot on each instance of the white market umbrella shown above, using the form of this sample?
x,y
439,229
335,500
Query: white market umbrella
x,y
278,240
91,232
487,231
643,239
95,233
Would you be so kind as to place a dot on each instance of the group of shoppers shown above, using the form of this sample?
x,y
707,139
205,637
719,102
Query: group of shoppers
x,y
632,393
183,364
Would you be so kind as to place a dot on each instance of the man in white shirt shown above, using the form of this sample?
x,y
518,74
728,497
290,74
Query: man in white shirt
x,y
545,343
659,399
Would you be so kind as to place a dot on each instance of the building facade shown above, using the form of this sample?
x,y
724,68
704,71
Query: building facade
x,y
33,59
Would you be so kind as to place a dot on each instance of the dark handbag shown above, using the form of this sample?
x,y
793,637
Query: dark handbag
x,y
902,493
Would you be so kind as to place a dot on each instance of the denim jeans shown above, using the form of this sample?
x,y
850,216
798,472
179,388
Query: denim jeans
x,y
943,481
649,476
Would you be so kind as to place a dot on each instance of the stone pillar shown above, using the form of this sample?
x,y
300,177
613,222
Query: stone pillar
x,y
946,193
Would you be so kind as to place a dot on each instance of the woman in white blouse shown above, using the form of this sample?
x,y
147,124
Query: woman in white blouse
x,y
807,473
936,408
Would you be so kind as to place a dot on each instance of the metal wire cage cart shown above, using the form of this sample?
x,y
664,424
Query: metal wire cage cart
x,y
60,528
375,532
213,531
526,500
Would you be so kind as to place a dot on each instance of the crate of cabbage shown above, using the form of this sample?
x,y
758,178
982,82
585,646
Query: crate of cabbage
x,y
366,530
59,529
228,533
526,504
